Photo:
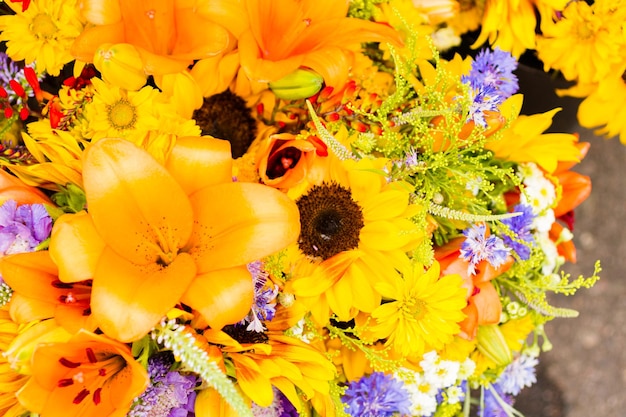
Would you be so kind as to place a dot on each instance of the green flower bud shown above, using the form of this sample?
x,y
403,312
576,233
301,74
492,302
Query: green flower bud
x,y
298,85
491,343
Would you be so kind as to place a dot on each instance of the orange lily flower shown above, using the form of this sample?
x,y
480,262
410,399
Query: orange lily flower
x,y
12,188
284,161
483,301
276,37
168,35
158,235
89,375
38,293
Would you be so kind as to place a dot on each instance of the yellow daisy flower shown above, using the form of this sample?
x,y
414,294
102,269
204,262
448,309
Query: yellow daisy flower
x,y
42,34
424,312
586,44
605,108
355,230
118,113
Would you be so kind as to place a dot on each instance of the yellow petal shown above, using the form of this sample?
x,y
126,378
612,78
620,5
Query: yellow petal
x,y
197,162
128,300
136,205
240,222
75,247
222,297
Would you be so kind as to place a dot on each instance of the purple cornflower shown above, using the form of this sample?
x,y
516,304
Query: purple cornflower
x,y
264,305
9,70
496,403
376,395
518,374
23,228
494,68
478,247
170,393
521,226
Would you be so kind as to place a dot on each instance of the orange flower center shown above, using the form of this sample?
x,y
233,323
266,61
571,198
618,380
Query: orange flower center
x,y
90,376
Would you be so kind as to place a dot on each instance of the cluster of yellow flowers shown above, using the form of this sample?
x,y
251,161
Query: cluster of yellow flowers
x,y
282,207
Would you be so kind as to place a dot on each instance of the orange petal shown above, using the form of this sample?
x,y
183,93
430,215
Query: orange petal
x,y
86,44
75,247
222,297
487,303
128,300
12,188
24,309
137,207
197,162
576,189
240,222
197,37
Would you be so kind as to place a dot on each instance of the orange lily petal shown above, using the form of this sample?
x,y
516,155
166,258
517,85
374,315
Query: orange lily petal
x,y
24,309
197,162
137,207
222,297
86,44
576,189
12,188
75,247
128,299
487,303
240,222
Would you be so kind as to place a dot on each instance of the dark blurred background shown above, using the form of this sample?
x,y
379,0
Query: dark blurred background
x,y
585,373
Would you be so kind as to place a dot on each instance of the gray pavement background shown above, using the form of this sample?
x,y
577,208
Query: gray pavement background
x,y
585,374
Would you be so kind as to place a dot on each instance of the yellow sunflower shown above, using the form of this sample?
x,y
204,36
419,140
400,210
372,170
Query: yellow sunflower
x,y
355,231
424,310
605,108
468,16
586,44
42,34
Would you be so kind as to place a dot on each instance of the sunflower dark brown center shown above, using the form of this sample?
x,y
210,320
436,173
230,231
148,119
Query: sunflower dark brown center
x,y
225,116
330,219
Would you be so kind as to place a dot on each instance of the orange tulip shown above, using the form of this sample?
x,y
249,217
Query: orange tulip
x,y
38,293
483,301
276,37
90,375
156,236
284,161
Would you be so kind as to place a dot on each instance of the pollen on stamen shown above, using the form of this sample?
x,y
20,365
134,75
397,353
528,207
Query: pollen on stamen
x,y
91,356
96,396
68,363
102,372
65,382
81,396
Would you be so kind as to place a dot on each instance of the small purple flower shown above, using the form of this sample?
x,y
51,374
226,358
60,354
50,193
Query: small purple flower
x,y
477,247
23,228
496,403
518,374
521,226
280,407
376,395
170,393
264,305
495,69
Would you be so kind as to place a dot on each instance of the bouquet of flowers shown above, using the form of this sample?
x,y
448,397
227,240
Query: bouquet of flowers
x,y
272,208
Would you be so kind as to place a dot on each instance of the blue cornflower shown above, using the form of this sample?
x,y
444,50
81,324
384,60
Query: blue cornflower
x,y
264,305
280,407
494,68
478,247
170,393
496,404
9,70
485,98
376,395
521,226
518,374
23,228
